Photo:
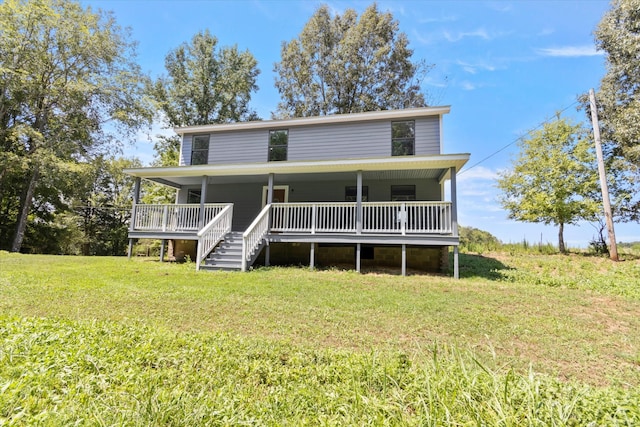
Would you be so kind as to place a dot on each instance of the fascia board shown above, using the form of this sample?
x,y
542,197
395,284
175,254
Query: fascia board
x,y
318,120
321,166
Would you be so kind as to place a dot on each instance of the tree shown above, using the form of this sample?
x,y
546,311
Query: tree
x,y
65,73
343,64
554,179
103,213
207,84
618,98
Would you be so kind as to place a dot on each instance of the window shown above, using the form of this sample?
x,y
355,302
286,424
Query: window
x,y
403,138
200,150
403,193
193,196
351,193
278,140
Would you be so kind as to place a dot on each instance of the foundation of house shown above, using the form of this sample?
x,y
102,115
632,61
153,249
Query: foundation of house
x,y
428,259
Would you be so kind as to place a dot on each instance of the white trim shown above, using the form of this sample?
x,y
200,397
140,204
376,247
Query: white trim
x,y
441,161
265,188
441,135
409,113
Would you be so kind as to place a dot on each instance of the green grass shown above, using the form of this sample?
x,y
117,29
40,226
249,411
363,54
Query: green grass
x,y
520,340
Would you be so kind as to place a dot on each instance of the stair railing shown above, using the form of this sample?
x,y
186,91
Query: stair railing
x,y
212,233
254,235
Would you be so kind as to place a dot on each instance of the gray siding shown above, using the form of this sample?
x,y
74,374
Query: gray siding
x,y
428,136
319,142
185,151
238,147
340,141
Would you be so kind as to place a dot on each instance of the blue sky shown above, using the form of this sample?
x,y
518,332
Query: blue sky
x,y
503,66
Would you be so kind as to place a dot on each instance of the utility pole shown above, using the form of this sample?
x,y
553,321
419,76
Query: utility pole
x,y
613,252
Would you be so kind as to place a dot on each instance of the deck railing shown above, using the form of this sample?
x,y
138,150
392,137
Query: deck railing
x,y
170,218
377,217
253,237
213,233
407,217
314,217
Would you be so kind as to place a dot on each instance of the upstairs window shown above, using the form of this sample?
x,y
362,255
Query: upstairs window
x,y
200,150
278,141
403,137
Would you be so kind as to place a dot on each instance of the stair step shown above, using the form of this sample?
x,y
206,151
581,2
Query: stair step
x,y
216,256
237,251
227,255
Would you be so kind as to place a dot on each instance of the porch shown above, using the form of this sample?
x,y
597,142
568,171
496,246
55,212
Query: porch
x,y
396,201
402,224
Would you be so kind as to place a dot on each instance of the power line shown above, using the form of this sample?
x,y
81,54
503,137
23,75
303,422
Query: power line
x,y
516,140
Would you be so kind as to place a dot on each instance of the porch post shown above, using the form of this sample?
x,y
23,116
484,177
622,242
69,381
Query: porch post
x,y
267,250
162,246
454,220
203,197
404,260
312,256
358,248
136,199
359,205
456,274
270,189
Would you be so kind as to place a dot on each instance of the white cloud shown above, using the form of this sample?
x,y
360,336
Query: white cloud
x,y
477,173
472,68
449,18
546,32
480,32
430,81
467,85
570,51
500,6
424,39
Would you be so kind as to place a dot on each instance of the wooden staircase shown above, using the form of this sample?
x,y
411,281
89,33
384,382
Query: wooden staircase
x,y
227,255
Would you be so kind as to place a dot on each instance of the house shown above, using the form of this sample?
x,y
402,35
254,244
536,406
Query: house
x,y
360,190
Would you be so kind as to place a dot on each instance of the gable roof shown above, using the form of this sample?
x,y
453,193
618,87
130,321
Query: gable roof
x,y
406,114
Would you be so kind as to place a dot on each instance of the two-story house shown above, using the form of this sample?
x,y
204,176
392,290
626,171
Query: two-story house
x,y
359,190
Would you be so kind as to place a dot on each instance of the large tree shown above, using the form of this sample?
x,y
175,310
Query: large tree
x,y
554,179
206,83
69,87
618,35
345,64
618,100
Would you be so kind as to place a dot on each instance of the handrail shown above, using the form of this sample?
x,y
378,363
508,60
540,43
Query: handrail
x,y
253,236
212,233
171,218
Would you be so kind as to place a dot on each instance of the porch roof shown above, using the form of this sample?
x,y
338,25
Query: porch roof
x,y
417,167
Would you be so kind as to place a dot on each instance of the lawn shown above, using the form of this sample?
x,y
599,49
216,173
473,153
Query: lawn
x,y
520,339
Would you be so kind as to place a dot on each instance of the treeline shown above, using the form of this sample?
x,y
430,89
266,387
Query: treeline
x,y
71,94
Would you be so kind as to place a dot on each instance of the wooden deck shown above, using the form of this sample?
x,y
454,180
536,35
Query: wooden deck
x,y
369,223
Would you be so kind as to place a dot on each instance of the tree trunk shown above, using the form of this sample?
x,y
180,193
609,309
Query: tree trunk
x,y
25,203
561,239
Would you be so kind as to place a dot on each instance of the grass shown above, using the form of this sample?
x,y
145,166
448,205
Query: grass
x,y
520,340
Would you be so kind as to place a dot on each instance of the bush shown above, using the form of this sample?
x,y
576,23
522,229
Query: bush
x,y
478,241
